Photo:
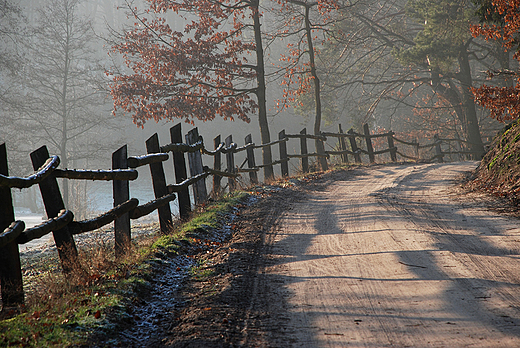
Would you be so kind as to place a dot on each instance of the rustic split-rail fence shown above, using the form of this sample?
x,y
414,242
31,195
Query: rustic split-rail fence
x,y
124,169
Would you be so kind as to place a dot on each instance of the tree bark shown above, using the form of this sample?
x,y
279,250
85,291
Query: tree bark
x,y
260,92
317,96
468,102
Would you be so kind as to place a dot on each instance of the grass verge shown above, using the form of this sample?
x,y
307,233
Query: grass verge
x,y
66,311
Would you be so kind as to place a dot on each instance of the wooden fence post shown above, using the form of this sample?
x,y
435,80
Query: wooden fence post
x,y
121,193
196,167
391,146
343,146
179,166
230,160
353,145
370,148
283,153
53,203
416,148
304,151
217,163
253,176
459,147
320,149
438,149
11,283
159,184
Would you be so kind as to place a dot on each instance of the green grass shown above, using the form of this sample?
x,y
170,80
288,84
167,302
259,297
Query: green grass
x,y
201,271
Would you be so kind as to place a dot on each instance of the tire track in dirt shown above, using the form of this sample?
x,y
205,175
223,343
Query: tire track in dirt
x,y
481,261
386,256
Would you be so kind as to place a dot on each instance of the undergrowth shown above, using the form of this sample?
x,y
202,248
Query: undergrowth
x,y
499,170
65,311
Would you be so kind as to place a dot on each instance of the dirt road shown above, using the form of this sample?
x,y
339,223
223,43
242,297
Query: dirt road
x,y
381,256
388,256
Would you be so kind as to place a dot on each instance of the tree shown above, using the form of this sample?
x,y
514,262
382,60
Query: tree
x,y
500,22
443,46
199,74
12,29
301,80
61,96
260,90
396,57
355,60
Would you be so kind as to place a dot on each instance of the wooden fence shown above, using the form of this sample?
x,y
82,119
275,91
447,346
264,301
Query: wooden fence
x,y
124,169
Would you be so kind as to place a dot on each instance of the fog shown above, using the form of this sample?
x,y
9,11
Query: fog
x,y
367,63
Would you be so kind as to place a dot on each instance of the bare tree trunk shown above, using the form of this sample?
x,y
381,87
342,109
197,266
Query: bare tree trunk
x,y
64,110
463,104
260,92
317,96
468,102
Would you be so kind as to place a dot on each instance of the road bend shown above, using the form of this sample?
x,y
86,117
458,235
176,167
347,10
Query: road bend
x,y
391,256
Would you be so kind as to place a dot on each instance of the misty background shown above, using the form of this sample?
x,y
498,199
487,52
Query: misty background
x,y
379,62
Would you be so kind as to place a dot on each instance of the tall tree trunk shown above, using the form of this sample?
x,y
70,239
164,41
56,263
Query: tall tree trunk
x,y
260,92
468,102
317,96
65,106
464,108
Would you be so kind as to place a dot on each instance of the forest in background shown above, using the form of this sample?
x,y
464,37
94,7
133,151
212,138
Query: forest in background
x,y
405,66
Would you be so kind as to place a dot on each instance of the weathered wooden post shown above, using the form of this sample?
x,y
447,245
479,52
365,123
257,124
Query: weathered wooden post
x,y
217,165
353,145
179,166
304,151
320,149
159,184
11,282
460,147
370,148
416,148
53,203
283,153
342,145
391,146
230,161
121,193
438,149
253,176
196,167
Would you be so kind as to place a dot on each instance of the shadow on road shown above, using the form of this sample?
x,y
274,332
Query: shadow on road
x,y
463,300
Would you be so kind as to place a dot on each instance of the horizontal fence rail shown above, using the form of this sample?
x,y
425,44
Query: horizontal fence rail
x,y
14,182
126,169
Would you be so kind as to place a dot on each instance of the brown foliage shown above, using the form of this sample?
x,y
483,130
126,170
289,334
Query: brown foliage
x,y
189,75
503,102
